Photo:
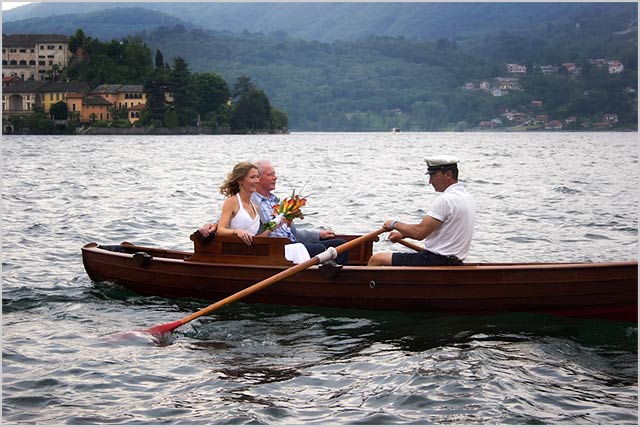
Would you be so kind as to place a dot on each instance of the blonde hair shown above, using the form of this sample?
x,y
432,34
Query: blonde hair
x,y
231,186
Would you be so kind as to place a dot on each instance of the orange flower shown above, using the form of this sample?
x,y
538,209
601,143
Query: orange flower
x,y
289,209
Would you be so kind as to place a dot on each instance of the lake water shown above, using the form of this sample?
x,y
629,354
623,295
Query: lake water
x,y
540,197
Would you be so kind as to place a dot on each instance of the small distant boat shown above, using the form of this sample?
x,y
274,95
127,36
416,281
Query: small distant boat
x,y
395,129
224,266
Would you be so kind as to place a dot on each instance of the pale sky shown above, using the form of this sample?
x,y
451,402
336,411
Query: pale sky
x,y
6,5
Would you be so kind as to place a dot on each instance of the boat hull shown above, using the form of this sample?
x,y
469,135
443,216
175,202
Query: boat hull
x,y
603,290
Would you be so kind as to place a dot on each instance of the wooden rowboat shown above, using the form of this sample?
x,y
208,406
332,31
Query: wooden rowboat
x,y
225,266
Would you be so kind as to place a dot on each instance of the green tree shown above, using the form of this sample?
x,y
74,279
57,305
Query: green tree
x,y
184,101
211,92
79,39
59,111
120,117
171,118
252,112
127,61
159,59
39,123
279,119
119,113
241,87
17,122
154,86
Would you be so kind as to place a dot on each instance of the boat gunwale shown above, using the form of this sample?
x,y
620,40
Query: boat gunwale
x,y
94,247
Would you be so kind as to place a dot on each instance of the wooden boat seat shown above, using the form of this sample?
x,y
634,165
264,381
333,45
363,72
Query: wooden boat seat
x,y
263,250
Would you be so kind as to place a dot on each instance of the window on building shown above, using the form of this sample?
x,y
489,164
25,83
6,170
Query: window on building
x,y
50,97
4,62
32,62
12,50
23,62
42,63
23,50
51,47
60,47
42,46
33,50
13,62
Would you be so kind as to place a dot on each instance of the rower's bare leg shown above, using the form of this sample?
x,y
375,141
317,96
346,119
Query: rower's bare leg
x,y
380,258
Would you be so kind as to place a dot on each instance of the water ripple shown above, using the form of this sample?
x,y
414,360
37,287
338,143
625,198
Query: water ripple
x,y
75,352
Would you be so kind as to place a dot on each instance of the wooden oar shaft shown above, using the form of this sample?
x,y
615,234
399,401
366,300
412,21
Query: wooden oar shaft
x,y
251,289
274,279
410,245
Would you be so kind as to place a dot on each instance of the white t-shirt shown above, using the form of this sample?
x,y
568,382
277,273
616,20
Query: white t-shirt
x,y
457,211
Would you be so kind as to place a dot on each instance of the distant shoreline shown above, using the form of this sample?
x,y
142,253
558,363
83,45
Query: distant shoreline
x,y
200,131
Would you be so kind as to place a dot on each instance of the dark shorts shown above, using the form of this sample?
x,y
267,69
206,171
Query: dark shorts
x,y
422,258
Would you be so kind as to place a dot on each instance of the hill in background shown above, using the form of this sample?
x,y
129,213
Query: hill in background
x,y
332,21
373,66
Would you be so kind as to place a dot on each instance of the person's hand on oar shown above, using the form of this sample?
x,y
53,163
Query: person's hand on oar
x,y
331,253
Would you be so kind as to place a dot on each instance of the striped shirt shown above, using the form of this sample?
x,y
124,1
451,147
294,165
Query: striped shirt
x,y
265,210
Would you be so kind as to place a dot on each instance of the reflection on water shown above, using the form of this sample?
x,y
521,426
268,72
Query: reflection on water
x,y
540,197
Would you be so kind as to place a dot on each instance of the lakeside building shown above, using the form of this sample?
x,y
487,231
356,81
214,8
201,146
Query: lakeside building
x,y
121,96
53,92
516,68
37,57
20,98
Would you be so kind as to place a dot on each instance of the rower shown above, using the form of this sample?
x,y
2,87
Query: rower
x,y
447,229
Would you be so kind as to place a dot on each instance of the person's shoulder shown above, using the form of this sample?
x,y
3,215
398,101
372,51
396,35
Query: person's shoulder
x,y
231,201
457,187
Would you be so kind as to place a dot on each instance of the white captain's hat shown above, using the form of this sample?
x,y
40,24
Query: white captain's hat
x,y
439,163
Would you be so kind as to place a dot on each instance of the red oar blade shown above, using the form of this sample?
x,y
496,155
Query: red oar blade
x,y
159,334
159,330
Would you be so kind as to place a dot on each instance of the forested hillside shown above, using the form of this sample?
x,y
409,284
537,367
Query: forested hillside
x,y
374,66
325,86
382,82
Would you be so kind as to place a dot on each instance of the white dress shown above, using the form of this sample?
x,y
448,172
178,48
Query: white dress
x,y
243,221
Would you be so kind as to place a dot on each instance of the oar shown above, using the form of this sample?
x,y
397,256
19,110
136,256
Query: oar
x,y
410,245
330,253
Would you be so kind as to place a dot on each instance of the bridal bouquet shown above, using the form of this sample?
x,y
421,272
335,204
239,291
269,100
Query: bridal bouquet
x,y
288,209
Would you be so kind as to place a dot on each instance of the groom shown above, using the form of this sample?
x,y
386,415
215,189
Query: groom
x,y
315,241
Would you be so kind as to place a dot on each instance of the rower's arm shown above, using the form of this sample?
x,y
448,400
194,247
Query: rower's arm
x,y
418,231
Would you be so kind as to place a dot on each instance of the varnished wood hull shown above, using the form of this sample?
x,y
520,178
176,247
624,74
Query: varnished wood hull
x,y
592,290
